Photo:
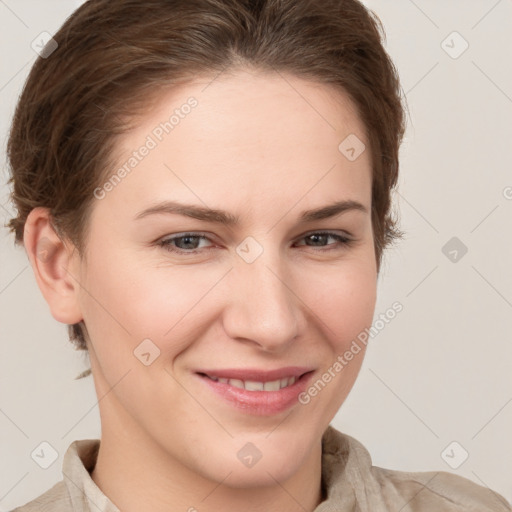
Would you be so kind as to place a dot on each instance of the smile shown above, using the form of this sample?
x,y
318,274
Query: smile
x,y
250,385
257,391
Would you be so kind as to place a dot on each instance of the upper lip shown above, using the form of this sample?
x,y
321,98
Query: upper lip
x,y
256,375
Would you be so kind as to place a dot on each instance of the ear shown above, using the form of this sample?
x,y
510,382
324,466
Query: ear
x,y
55,264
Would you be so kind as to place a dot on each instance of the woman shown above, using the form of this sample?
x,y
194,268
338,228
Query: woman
x,y
203,190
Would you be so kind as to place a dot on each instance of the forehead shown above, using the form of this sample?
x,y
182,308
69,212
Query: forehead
x,y
265,135
258,102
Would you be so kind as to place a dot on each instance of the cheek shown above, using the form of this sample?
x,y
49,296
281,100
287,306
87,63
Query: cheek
x,y
343,306
125,306
342,299
131,302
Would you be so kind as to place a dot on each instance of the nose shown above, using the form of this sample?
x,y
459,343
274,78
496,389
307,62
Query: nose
x,y
263,308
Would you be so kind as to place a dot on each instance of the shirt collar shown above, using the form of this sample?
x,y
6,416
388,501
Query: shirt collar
x,y
78,463
348,471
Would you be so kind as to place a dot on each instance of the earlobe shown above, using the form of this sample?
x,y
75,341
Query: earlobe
x,y
54,263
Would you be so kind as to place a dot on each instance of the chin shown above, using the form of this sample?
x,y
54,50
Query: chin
x,y
257,461
262,474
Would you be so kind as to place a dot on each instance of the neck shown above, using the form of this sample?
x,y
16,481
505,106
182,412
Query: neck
x,y
137,475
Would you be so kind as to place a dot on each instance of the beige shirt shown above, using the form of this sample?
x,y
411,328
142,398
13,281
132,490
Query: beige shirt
x,y
351,482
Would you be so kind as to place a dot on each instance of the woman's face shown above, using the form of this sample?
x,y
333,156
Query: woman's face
x,y
179,324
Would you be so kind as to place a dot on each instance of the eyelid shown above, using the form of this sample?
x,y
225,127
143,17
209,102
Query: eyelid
x,y
192,234
340,232
343,238
209,236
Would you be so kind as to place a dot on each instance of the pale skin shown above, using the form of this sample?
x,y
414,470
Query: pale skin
x,y
265,149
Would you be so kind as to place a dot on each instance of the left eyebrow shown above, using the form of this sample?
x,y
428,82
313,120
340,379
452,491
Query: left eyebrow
x,y
332,210
226,218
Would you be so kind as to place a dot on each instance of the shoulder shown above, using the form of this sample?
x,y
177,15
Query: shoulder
x,y
351,479
72,493
55,499
438,490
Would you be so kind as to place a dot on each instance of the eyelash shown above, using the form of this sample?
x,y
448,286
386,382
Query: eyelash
x,y
343,241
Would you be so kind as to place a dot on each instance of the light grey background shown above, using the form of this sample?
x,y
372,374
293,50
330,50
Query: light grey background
x,y
441,370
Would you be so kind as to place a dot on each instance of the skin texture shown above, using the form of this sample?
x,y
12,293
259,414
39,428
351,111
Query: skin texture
x,y
263,147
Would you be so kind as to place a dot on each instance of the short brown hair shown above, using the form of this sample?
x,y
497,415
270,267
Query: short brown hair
x,y
114,56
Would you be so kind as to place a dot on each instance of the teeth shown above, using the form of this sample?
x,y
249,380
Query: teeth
x,y
254,386
236,383
250,385
274,385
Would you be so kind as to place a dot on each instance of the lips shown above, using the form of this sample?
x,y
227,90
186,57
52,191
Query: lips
x,y
260,392
257,375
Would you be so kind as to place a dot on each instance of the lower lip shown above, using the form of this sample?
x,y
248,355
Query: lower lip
x,y
261,403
